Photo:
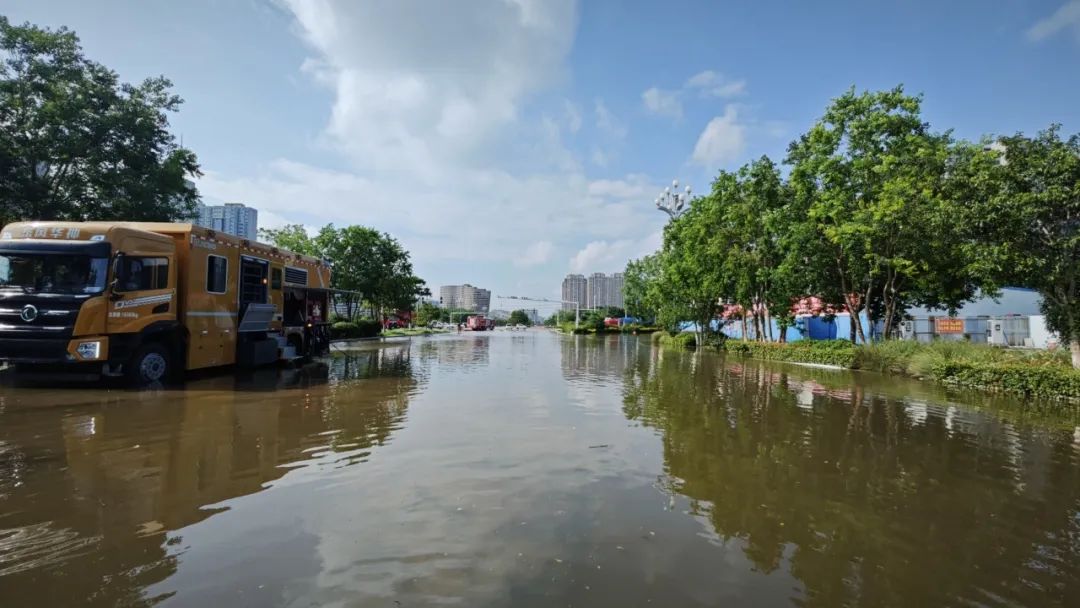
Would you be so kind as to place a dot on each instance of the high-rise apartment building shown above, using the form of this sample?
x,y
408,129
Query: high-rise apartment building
x,y
231,218
465,297
575,289
604,290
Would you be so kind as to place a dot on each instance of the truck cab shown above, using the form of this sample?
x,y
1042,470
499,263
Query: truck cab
x,y
87,298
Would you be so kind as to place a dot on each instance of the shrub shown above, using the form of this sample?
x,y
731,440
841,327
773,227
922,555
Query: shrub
x,y
683,340
1014,377
363,328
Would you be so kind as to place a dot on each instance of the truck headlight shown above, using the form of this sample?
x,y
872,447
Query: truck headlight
x,y
88,350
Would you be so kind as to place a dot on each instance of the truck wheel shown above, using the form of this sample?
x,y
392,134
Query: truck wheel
x,y
149,365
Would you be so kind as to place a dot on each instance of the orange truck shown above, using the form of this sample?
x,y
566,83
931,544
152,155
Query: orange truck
x,y
148,301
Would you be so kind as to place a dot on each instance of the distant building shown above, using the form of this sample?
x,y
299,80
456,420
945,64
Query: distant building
x,y
231,218
604,290
465,297
575,289
499,315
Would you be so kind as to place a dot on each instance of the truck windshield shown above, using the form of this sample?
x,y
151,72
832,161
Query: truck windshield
x,y
40,273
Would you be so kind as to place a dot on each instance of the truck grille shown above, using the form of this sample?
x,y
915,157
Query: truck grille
x,y
37,327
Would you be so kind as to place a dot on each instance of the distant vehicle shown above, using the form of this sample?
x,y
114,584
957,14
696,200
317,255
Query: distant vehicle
x,y
478,323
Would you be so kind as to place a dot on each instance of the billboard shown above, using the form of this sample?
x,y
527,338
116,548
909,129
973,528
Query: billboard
x,y
948,326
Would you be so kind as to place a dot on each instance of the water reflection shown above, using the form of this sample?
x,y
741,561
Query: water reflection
x,y
91,484
866,499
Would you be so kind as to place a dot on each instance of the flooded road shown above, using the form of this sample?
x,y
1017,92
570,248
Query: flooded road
x,y
532,469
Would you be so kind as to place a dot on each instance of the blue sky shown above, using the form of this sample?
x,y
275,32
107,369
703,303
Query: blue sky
x,y
508,142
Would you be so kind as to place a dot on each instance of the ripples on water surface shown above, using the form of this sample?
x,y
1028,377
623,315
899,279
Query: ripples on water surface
x,y
530,469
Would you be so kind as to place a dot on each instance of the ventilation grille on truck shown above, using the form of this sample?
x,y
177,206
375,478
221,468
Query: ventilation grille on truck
x,y
295,275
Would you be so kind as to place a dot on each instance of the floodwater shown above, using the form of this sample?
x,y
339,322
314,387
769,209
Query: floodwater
x,y
532,469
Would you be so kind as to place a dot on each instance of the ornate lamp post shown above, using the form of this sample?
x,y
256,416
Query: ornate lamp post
x,y
673,202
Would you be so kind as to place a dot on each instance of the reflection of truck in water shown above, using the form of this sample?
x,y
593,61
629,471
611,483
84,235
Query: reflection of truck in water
x,y
146,300
479,323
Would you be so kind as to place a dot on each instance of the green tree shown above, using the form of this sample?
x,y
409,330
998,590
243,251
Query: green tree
x,y
78,144
426,313
639,286
518,317
369,267
870,178
293,237
1025,222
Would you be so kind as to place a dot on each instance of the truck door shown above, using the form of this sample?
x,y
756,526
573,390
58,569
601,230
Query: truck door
x,y
211,315
144,292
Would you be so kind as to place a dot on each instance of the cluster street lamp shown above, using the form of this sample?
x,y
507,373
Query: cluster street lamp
x,y
673,202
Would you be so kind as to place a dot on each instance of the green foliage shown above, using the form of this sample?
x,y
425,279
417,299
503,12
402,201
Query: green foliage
x,y
841,353
870,177
292,237
879,213
1025,221
1040,374
360,328
426,314
518,317
680,341
372,266
78,144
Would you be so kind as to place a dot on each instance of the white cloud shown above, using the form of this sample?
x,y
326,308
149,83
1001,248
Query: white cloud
x,y
665,103
573,116
423,85
711,84
608,122
598,157
611,256
722,141
633,187
536,254
1066,17
707,84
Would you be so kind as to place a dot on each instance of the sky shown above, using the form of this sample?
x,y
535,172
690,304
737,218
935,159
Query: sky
x,y
506,143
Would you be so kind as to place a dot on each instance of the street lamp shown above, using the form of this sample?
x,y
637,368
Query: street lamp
x,y
673,202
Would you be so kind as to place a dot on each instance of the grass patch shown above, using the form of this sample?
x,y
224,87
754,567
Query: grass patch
x,y
840,353
1026,373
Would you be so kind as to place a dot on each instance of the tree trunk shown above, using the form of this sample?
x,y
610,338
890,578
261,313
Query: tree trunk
x,y
851,327
890,313
856,322
743,319
1074,348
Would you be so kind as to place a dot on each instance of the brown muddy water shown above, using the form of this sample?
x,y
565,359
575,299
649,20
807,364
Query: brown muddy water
x,y
532,469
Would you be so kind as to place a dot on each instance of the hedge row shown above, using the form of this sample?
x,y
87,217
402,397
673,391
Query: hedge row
x,y
364,328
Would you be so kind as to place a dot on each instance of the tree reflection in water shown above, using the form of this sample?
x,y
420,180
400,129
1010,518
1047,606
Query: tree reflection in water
x,y
866,499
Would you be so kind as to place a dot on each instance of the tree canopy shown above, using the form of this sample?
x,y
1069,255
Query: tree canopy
x,y
518,317
76,143
878,213
370,266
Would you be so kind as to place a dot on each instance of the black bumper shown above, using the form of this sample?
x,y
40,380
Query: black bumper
x,y
34,350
